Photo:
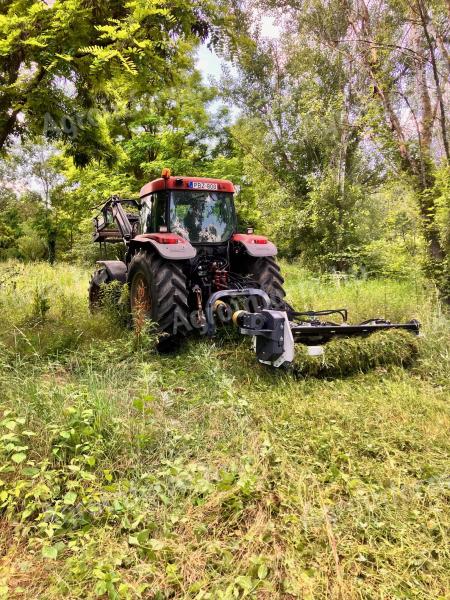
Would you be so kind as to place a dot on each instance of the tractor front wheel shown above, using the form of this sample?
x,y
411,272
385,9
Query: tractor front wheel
x,y
99,278
158,292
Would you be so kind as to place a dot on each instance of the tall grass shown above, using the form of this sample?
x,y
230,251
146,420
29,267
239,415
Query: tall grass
x,y
385,298
126,474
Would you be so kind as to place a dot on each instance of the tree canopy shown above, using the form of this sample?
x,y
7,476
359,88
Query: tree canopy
x,y
61,59
338,137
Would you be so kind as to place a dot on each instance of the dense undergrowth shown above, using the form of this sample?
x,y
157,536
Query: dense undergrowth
x,y
126,474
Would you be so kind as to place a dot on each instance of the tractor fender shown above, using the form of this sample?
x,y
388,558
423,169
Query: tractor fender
x,y
116,269
255,245
168,245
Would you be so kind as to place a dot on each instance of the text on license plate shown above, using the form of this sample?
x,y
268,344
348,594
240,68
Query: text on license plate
x,y
202,185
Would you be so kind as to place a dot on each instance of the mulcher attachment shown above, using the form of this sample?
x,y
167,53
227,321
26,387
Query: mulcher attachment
x,y
273,341
276,332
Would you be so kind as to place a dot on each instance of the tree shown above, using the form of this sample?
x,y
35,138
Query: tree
x,y
60,60
169,129
400,59
303,140
386,65
34,180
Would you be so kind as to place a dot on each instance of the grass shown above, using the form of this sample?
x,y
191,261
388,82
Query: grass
x,y
126,474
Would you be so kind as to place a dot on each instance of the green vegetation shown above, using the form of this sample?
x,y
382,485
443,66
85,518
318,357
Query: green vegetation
x,y
125,474
340,146
60,61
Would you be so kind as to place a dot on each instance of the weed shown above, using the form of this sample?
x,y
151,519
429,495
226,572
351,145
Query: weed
x,y
41,303
127,474
115,302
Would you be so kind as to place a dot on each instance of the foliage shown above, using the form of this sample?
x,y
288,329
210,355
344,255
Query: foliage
x,y
348,97
442,192
30,244
130,475
303,146
58,60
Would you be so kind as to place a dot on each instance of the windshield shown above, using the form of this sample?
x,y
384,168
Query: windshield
x,y
202,216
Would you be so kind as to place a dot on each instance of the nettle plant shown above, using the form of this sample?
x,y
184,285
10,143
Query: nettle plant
x,y
13,441
79,442
55,498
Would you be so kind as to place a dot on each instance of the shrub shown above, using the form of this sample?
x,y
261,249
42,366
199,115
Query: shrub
x,y
41,303
31,245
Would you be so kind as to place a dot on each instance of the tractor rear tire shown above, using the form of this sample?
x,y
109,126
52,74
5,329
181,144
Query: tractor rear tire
x,y
99,278
265,272
158,292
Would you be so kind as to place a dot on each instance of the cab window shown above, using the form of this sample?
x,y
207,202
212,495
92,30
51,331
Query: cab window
x,y
159,211
153,214
202,216
146,215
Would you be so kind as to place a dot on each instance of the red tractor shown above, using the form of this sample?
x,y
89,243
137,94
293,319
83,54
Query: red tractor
x,y
184,261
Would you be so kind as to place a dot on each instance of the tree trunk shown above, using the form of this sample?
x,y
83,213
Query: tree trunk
x,y
437,263
443,120
427,206
7,124
371,60
442,48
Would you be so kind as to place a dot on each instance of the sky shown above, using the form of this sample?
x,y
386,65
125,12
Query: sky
x,y
210,64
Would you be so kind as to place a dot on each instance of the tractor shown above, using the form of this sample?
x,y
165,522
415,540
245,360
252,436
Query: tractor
x,y
186,266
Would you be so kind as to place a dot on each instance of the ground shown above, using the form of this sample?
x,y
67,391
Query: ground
x,y
125,474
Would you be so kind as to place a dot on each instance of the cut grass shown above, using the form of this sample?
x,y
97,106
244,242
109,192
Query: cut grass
x,y
205,475
347,356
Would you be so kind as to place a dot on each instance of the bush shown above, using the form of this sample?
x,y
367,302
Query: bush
x,y
31,245
396,258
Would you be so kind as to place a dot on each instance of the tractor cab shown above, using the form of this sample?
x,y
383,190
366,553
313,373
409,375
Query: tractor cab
x,y
200,210
181,245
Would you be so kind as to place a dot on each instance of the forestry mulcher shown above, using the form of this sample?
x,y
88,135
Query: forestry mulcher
x,y
188,268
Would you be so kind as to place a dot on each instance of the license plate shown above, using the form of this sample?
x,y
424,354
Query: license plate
x,y
202,185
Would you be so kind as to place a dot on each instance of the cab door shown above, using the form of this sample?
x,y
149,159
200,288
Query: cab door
x,y
154,213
